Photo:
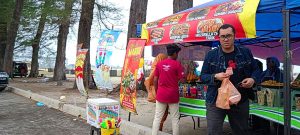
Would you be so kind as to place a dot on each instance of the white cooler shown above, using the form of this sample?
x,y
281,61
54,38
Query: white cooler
x,y
100,108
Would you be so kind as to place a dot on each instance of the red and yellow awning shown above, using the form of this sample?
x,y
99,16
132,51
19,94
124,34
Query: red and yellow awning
x,y
202,24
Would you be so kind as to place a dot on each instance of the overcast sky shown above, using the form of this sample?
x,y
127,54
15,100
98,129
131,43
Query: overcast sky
x,y
156,9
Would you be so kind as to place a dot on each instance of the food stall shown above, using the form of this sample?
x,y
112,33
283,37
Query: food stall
x,y
273,25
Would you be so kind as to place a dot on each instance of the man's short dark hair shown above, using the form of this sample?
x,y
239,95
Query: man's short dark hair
x,y
172,48
225,26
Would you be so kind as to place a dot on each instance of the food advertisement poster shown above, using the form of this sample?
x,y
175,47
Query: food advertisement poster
x,y
80,58
104,52
134,52
202,24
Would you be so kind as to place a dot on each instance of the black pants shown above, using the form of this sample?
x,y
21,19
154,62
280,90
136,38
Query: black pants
x,y
237,115
260,125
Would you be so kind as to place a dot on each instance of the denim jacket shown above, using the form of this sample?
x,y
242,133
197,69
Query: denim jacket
x,y
215,63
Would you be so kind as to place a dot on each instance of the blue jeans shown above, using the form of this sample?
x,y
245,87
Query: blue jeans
x,y
237,115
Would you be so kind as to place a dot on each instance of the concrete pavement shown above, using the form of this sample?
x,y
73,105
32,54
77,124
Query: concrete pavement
x,y
21,116
127,128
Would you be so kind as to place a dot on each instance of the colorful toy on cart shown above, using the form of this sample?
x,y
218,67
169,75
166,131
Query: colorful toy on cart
x,y
110,126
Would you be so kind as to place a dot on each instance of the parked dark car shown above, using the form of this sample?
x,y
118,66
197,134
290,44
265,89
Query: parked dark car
x,y
3,80
20,69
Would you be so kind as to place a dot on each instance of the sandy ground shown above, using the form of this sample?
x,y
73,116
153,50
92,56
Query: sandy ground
x,y
145,109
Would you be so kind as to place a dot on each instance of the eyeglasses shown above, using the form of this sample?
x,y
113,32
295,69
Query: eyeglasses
x,y
228,36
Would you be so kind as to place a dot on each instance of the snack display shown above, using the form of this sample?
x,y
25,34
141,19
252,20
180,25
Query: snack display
x,y
271,83
261,97
190,69
196,91
270,97
296,82
297,100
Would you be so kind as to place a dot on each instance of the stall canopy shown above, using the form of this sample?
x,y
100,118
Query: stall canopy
x,y
198,25
274,24
293,4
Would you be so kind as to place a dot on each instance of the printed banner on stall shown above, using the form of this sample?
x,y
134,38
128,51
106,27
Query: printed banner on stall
x,y
80,58
202,24
104,52
129,74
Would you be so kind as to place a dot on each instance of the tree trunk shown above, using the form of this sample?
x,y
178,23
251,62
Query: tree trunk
x,y
138,12
3,38
84,37
36,42
180,5
34,71
11,36
59,70
6,8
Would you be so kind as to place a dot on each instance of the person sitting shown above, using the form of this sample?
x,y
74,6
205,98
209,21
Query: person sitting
x,y
273,71
260,124
22,69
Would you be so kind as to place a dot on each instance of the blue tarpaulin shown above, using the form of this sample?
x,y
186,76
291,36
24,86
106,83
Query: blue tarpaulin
x,y
293,4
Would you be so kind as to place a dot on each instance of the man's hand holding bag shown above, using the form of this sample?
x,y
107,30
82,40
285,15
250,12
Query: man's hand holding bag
x,y
227,93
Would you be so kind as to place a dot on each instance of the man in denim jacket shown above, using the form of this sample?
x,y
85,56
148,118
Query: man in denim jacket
x,y
245,74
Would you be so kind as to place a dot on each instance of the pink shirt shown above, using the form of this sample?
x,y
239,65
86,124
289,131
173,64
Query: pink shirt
x,y
169,72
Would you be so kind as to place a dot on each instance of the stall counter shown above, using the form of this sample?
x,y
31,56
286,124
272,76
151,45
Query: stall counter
x,y
197,108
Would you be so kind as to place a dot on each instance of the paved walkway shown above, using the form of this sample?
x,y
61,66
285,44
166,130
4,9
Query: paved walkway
x,y
74,104
144,108
21,116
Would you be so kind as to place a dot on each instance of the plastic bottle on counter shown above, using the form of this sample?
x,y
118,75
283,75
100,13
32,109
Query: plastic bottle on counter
x,y
188,90
204,91
181,90
184,90
193,90
199,92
